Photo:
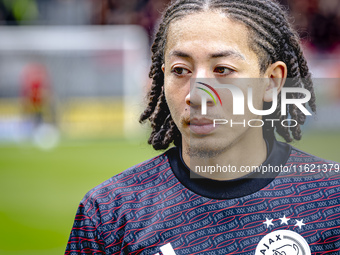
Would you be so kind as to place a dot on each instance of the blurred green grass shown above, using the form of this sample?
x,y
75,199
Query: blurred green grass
x,y
41,190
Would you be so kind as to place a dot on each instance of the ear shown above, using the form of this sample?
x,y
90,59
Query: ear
x,y
163,68
277,73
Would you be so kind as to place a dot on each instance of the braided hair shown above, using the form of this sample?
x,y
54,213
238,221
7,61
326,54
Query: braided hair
x,y
271,37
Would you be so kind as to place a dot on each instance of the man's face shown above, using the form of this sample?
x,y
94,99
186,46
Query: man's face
x,y
209,45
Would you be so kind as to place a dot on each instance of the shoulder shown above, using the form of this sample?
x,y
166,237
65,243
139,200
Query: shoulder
x,y
300,156
306,165
105,210
130,184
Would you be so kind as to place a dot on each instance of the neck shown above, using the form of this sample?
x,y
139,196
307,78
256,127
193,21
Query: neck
x,y
237,160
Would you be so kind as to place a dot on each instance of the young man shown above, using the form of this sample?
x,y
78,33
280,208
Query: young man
x,y
259,196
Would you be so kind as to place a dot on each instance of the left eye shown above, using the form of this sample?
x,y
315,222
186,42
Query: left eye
x,y
223,70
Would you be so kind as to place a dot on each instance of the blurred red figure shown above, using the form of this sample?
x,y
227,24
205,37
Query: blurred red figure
x,y
36,93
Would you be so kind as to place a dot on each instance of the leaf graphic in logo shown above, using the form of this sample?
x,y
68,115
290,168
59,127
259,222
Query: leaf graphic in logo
x,y
212,89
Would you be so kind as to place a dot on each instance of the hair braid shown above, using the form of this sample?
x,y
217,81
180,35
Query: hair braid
x,y
271,37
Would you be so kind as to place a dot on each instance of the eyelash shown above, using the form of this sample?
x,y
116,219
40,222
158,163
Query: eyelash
x,y
230,71
179,71
176,70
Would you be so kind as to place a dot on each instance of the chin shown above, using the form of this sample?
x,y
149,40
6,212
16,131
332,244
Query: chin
x,y
203,148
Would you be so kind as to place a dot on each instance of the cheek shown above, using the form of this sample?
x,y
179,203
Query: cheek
x,y
168,91
175,92
227,100
170,97
229,104
175,98
257,99
258,94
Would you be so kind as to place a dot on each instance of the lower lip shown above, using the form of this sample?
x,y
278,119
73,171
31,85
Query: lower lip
x,y
202,129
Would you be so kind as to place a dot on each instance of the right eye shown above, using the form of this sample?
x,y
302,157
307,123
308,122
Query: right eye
x,y
222,70
179,71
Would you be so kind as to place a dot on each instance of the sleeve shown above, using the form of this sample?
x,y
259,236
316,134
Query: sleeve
x,y
84,237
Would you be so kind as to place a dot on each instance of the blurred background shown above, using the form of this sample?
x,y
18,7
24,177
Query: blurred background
x,y
73,78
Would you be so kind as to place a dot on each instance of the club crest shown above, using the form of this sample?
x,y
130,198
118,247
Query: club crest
x,y
283,242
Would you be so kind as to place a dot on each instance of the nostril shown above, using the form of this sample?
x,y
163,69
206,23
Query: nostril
x,y
187,99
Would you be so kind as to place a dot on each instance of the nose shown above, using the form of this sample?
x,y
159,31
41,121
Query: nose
x,y
196,97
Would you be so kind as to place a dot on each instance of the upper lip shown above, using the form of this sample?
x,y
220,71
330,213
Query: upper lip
x,y
200,121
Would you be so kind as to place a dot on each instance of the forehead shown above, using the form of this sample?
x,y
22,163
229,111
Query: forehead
x,y
210,31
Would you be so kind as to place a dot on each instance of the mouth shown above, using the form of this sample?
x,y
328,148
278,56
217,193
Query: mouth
x,y
201,126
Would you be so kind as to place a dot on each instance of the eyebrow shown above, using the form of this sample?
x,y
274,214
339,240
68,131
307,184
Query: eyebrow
x,y
178,53
220,54
228,53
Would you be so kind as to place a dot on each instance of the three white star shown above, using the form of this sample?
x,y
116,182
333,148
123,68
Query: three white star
x,y
299,223
268,223
284,220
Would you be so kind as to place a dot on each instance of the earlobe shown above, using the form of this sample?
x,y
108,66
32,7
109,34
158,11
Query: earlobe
x,y
277,74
